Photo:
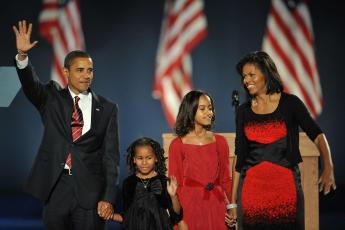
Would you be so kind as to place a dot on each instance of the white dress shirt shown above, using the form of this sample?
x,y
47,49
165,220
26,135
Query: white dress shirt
x,y
85,102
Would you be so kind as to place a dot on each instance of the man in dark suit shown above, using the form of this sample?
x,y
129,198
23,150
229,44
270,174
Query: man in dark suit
x,y
76,168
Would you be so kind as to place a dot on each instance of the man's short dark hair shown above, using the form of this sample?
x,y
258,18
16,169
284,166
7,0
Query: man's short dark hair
x,y
73,55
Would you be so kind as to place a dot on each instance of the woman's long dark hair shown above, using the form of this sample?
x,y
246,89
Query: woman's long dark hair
x,y
157,150
186,114
266,65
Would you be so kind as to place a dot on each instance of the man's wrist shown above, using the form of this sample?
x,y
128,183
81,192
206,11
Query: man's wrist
x,y
21,55
21,52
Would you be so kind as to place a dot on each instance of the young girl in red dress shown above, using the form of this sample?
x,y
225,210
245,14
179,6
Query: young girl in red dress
x,y
199,159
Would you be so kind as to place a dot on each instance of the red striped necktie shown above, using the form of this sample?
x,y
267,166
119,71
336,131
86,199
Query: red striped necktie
x,y
76,125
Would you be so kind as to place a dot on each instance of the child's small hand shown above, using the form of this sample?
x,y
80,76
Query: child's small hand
x,y
172,186
231,218
117,217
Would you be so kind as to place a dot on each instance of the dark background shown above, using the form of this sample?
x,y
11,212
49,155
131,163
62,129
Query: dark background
x,y
122,37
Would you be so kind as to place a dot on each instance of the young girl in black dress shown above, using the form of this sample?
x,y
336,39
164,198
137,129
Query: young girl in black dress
x,y
149,197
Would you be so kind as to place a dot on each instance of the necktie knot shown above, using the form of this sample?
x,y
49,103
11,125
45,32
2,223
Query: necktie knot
x,y
76,99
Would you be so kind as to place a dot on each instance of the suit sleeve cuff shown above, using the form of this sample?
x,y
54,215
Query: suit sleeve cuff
x,y
22,64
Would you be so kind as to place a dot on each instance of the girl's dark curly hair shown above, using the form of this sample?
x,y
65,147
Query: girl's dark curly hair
x,y
160,167
186,114
266,65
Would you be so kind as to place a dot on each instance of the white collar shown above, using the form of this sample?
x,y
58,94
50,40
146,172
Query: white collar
x,y
82,95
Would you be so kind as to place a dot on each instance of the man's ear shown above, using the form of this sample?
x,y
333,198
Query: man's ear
x,y
65,72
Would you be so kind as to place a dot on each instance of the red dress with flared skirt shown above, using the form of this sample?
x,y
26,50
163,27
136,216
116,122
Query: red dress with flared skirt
x,y
203,175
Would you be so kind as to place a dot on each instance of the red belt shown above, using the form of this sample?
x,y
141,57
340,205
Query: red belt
x,y
208,188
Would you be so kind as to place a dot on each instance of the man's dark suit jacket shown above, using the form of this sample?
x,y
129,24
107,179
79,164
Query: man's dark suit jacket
x,y
95,155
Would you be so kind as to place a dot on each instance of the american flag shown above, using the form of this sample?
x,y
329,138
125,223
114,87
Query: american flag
x,y
60,23
183,27
289,41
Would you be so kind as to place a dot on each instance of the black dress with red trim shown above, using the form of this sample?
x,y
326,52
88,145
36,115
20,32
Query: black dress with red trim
x,y
270,193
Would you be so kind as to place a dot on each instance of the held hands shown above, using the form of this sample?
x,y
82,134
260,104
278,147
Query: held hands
x,y
172,186
117,217
231,217
327,181
105,210
23,35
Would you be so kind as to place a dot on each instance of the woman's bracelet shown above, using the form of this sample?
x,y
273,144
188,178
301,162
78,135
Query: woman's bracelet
x,y
231,206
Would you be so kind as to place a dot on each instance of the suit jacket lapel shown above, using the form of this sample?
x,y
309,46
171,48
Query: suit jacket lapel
x,y
96,113
67,111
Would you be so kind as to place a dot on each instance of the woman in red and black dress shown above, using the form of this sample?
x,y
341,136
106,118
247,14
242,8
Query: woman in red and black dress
x,y
267,192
